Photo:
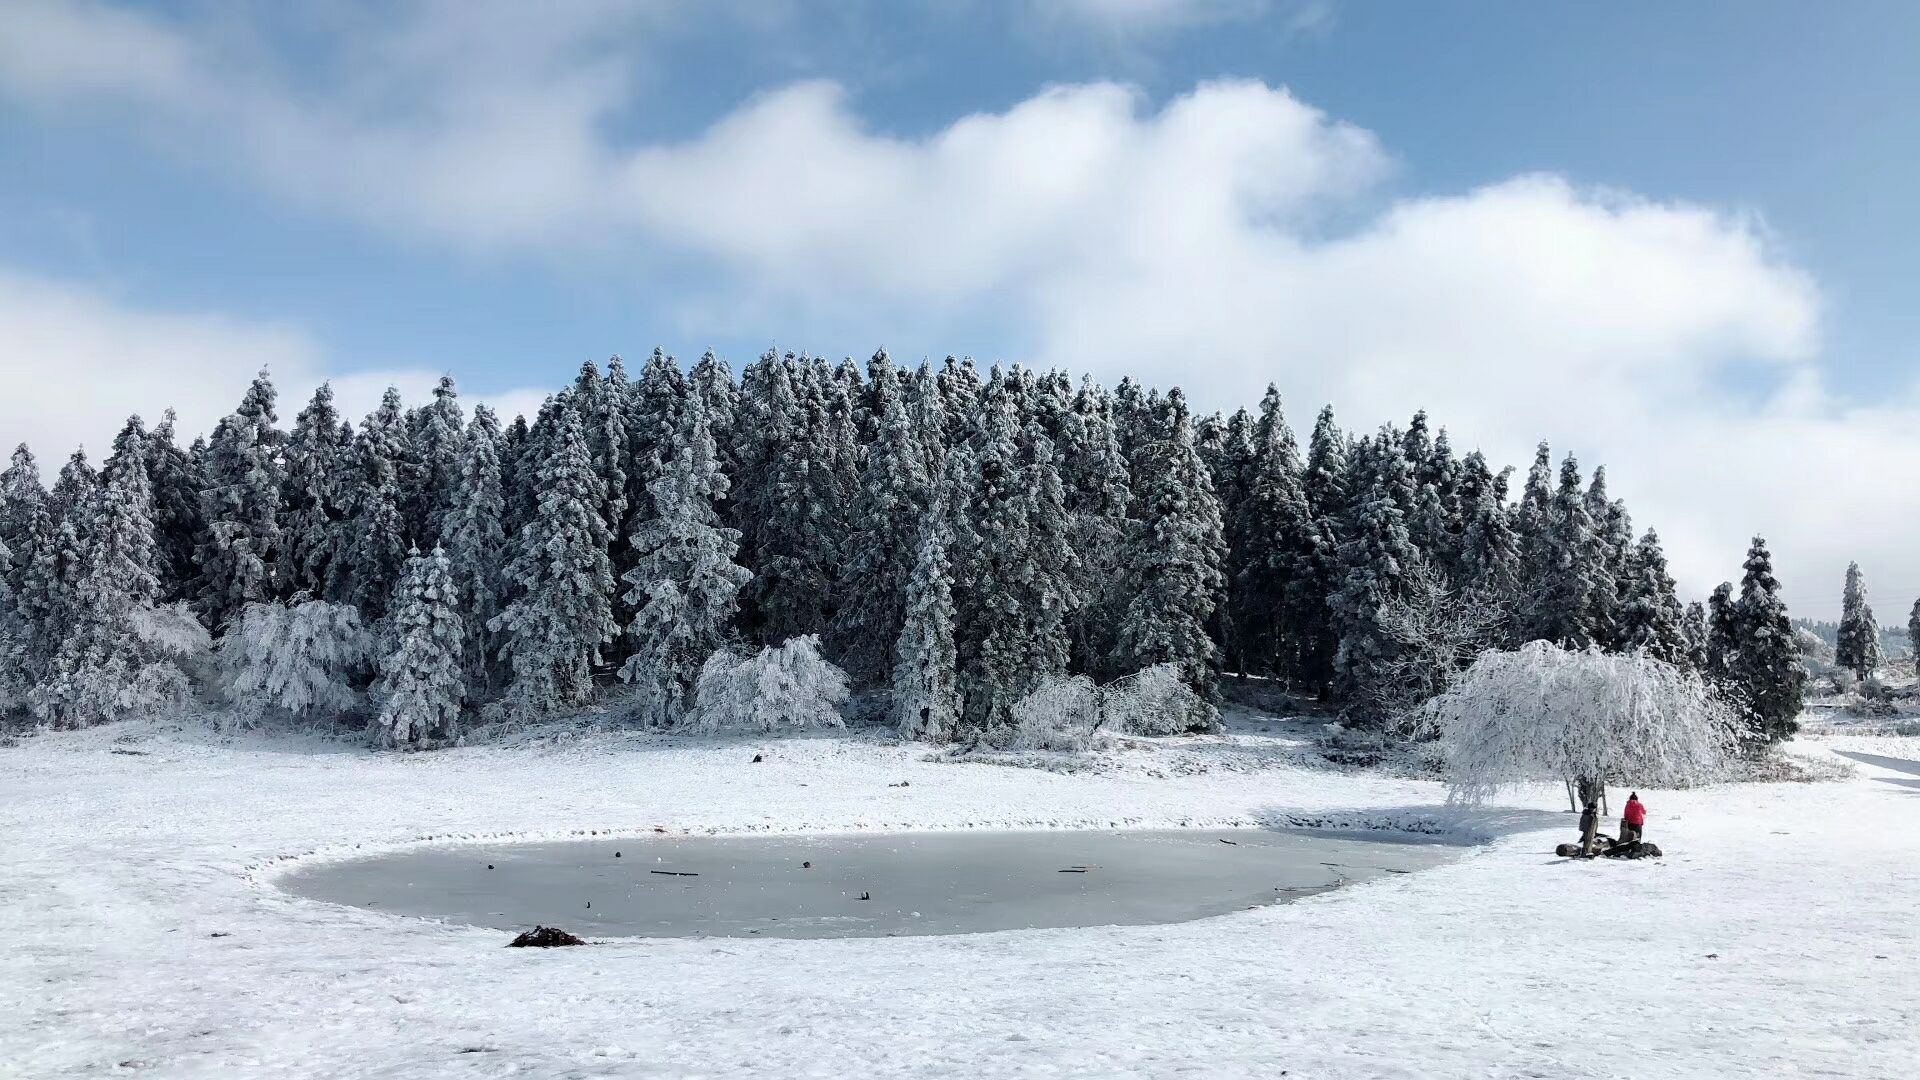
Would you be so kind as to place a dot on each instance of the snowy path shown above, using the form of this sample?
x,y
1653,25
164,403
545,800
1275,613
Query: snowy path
x,y
1772,942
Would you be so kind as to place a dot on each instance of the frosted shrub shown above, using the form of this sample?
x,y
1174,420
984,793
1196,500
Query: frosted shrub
x,y
299,659
786,686
1156,701
1543,713
1062,713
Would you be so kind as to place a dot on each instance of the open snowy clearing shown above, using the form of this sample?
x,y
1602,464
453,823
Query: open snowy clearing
x,y
137,867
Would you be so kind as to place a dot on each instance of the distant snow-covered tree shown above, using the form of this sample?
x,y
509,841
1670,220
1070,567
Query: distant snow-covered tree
x,y
1542,713
1858,647
422,680
782,686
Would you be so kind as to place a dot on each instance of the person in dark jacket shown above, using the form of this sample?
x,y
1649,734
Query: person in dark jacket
x,y
1633,820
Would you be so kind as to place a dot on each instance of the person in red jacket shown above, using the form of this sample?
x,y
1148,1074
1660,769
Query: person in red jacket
x,y
1634,819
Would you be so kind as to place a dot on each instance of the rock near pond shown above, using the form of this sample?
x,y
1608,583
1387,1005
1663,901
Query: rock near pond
x,y
544,937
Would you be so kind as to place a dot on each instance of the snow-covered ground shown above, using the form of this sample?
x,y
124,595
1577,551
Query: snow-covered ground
x,y
144,934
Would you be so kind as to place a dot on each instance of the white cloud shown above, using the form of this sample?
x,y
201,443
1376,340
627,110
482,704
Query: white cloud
x,y
79,363
1194,243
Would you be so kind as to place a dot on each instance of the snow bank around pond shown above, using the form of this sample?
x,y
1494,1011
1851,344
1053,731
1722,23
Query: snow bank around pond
x,y
1776,937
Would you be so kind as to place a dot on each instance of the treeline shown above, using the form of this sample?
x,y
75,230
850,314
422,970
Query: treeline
x,y
952,539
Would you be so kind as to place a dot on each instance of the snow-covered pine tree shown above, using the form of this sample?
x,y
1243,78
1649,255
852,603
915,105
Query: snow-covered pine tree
x,y
1225,445
1568,604
895,492
926,695
1766,665
438,443
1378,562
1093,470
1694,626
1613,534
517,463
1650,615
784,597
178,522
376,500
960,387
475,541
1175,565
1858,647
712,381
1018,565
22,500
240,501
560,578
315,522
1913,634
422,681
1272,537
106,666
1722,641
684,583
653,419
1489,555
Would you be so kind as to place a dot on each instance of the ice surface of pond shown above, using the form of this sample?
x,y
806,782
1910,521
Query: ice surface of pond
x,y
865,885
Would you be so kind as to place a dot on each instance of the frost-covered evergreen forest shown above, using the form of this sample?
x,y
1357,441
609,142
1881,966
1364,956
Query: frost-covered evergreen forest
x,y
938,541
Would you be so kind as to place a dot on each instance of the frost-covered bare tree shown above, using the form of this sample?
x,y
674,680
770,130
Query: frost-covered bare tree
x,y
1438,630
1542,713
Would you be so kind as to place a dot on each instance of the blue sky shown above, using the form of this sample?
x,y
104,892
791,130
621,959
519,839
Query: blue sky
x,y
1651,233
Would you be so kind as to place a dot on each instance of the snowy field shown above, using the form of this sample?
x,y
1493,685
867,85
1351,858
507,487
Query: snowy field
x,y
145,936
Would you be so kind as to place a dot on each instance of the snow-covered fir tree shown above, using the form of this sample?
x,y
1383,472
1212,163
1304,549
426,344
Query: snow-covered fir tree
x,y
926,694
561,613
1272,536
422,680
1174,568
1766,664
1093,470
1650,615
474,537
179,521
22,500
314,520
1858,646
240,553
438,436
1572,583
684,583
376,501
895,493
1378,563
107,665
1913,633
1017,566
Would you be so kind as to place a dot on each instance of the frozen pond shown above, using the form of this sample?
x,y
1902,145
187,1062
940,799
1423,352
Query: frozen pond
x,y
866,885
